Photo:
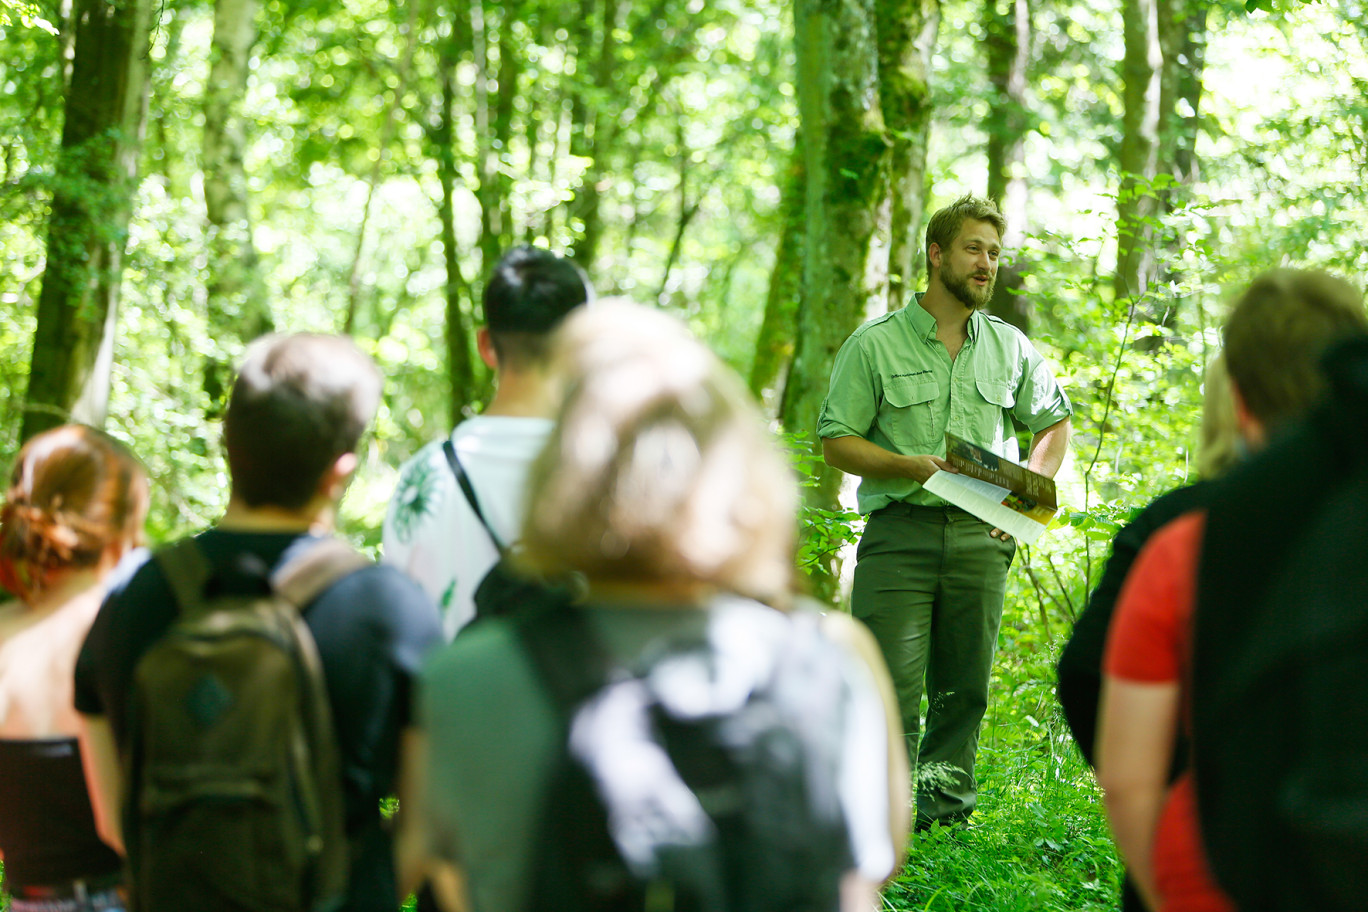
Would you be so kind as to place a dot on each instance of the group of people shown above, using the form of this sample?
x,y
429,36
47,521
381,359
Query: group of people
x,y
583,664
1169,680
617,451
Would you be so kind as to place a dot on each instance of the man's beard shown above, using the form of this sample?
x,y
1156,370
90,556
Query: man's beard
x,y
971,296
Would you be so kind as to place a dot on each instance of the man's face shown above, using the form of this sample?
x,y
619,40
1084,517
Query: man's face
x,y
968,268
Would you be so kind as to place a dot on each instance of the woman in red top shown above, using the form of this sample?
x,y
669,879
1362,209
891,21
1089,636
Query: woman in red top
x,y
1144,700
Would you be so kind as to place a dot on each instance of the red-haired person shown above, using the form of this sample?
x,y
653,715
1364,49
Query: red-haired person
x,y
75,504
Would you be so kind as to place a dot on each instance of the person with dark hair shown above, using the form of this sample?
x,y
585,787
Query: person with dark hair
x,y
661,486
74,508
1275,337
295,417
432,531
929,577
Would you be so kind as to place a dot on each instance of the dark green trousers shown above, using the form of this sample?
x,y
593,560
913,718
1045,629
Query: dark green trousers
x,y
929,584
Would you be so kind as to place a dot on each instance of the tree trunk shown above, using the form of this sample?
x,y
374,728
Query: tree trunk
x,y
779,327
387,131
486,158
1182,39
589,138
460,360
236,294
687,211
1136,204
161,143
1007,46
847,155
906,36
510,67
73,343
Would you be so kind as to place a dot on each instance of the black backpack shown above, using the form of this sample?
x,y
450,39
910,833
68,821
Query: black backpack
x,y
703,778
234,799
1280,695
506,589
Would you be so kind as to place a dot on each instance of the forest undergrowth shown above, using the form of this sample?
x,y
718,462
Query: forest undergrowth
x,y
1038,841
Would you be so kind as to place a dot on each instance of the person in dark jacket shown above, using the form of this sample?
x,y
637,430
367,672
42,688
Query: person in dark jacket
x,y
1279,697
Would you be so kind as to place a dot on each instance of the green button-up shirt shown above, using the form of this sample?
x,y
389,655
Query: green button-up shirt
x,y
894,384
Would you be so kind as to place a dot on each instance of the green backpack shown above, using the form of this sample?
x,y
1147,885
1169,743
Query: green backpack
x,y
235,789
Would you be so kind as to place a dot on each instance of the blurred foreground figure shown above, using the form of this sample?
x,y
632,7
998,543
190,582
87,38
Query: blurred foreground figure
x,y
673,739
1274,341
1280,695
1080,663
75,505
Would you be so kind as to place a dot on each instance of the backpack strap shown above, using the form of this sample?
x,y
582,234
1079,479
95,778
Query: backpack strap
x,y
187,572
300,580
468,490
570,658
303,578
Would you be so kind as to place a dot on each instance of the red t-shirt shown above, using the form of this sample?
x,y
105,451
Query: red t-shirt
x,y
1150,642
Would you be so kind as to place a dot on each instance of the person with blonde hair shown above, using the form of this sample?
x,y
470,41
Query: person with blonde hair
x,y
662,488
930,578
75,505
1079,670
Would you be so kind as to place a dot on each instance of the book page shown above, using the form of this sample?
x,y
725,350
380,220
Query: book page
x,y
995,489
989,502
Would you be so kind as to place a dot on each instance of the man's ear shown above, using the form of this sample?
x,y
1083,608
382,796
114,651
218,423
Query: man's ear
x,y
933,254
336,476
485,345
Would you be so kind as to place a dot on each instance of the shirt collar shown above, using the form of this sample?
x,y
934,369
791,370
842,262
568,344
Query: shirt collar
x,y
925,325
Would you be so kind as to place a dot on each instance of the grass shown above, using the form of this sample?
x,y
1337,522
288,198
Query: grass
x,y
1037,844
1038,841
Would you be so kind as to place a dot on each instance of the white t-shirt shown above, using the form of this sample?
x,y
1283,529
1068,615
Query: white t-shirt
x,y
430,531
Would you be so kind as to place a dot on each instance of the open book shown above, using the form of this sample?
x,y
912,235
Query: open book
x,y
995,489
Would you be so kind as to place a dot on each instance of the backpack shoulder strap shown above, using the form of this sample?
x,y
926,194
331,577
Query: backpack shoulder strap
x,y
187,571
468,490
569,657
302,579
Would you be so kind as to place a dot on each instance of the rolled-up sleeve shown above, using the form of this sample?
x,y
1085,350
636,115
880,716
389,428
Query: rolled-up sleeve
x,y
1040,401
851,402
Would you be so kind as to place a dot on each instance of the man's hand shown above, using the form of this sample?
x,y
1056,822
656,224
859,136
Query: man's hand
x,y
858,456
920,468
998,533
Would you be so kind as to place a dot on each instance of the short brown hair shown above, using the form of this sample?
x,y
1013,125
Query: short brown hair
x,y
299,402
945,225
73,492
660,467
1277,332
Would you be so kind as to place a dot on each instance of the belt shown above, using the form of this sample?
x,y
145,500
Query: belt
x,y
83,888
898,508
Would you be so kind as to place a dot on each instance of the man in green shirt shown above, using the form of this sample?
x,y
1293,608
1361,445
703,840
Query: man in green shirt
x,y
929,577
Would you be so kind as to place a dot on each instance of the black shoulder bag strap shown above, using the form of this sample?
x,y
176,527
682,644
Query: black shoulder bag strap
x,y
571,660
468,490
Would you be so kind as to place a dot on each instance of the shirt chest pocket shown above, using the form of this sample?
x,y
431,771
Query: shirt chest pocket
x,y
997,392
908,414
